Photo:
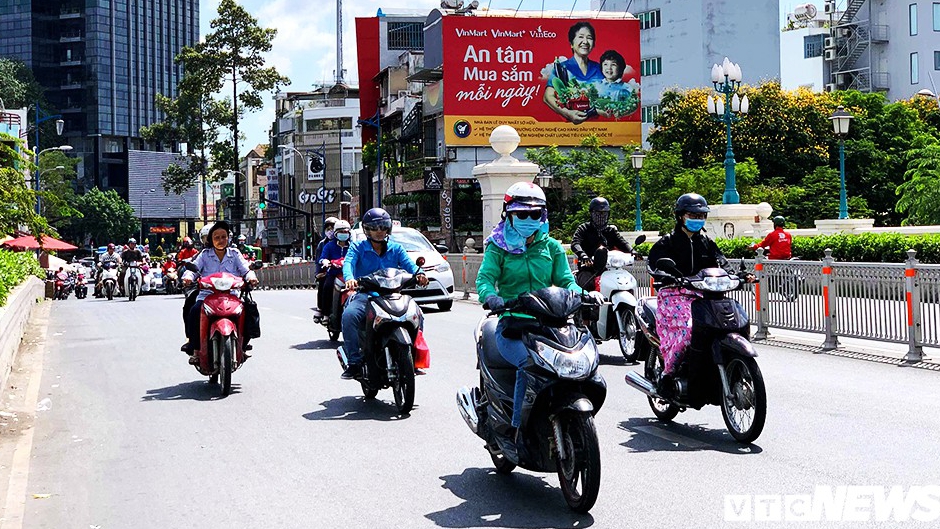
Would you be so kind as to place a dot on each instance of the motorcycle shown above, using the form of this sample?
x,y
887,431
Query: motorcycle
x,y
109,279
391,337
617,316
147,279
63,287
222,326
81,289
334,322
719,367
170,279
132,280
787,281
564,391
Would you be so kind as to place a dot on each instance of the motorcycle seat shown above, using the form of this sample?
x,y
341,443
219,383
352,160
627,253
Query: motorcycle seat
x,y
489,353
648,311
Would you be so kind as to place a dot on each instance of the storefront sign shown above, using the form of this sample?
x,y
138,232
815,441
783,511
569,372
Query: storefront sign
x,y
554,80
162,229
320,195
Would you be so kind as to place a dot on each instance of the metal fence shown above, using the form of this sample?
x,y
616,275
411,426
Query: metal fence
x,y
888,302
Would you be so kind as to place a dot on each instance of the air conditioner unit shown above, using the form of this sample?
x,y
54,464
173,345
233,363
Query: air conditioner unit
x,y
829,43
831,87
829,55
829,8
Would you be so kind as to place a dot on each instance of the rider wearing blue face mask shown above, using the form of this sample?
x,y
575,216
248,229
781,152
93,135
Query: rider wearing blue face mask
x,y
692,251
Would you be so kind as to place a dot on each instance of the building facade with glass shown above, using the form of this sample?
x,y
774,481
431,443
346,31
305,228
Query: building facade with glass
x,y
101,63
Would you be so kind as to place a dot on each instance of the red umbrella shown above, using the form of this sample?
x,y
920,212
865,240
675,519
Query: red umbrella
x,y
29,242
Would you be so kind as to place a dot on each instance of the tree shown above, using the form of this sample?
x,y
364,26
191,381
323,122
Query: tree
x,y
59,187
19,201
105,217
920,192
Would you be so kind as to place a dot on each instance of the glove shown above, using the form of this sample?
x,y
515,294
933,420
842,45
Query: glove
x,y
596,296
324,263
495,303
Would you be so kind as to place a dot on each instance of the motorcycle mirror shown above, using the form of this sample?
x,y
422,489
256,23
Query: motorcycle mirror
x,y
640,240
742,265
256,265
441,248
669,266
420,261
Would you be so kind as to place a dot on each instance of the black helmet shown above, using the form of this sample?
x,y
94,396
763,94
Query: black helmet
x,y
780,221
599,204
691,203
219,225
377,218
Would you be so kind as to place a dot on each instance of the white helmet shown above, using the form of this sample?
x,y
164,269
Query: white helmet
x,y
523,195
204,234
341,225
330,221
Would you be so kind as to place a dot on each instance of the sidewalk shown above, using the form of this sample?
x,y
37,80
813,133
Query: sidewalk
x,y
870,350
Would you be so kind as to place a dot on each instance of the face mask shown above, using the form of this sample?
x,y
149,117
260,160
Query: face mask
x,y
599,218
342,236
329,234
694,225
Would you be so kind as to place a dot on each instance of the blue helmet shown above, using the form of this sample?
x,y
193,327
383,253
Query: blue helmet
x,y
374,219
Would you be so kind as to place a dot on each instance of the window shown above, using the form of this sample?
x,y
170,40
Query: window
x,y
915,73
936,60
648,113
650,19
912,19
813,46
651,66
405,35
936,16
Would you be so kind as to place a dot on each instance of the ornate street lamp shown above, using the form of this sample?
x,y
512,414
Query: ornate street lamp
x,y
726,79
840,124
636,159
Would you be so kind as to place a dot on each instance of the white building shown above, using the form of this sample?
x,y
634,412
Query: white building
x,y
802,46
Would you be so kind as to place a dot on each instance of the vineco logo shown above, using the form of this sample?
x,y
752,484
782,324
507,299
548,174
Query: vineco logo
x,y
462,128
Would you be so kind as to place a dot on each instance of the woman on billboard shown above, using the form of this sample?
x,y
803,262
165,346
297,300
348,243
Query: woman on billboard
x,y
580,68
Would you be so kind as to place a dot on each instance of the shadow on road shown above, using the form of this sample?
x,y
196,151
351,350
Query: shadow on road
x,y
516,500
614,360
355,409
317,345
195,390
651,435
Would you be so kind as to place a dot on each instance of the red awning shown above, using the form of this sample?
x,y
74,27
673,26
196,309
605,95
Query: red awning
x,y
29,242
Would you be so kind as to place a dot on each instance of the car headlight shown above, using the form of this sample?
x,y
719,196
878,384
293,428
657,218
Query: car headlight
x,y
574,364
443,267
717,284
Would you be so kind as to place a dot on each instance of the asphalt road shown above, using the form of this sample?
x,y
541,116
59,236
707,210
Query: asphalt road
x,y
133,437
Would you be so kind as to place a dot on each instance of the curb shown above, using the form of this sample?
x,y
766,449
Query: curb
x,y
13,318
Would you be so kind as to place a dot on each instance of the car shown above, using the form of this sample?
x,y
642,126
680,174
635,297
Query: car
x,y
440,289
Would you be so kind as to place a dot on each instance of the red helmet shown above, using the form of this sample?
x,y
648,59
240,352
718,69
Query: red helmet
x,y
110,245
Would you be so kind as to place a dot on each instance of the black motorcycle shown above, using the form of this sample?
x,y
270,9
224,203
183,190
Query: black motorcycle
x,y
719,367
388,335
563,393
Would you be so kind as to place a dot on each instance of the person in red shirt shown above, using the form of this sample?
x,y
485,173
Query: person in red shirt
x,y
779,242
186,250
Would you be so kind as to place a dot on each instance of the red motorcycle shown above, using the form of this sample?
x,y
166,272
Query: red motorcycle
x,y
222,326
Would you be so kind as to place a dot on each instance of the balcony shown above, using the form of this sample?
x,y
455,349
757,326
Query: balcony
x,y
71,62
72,85
70,13
70,38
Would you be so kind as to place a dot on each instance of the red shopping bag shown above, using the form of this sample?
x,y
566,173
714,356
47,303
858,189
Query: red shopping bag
x,y
422,352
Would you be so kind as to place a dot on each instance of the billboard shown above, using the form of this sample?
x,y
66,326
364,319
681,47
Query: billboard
x,y
554,80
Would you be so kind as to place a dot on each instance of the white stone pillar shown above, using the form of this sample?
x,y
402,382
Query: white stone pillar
x,y
495,177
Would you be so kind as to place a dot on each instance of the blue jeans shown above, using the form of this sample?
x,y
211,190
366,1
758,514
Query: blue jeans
x,y
354,314
514,352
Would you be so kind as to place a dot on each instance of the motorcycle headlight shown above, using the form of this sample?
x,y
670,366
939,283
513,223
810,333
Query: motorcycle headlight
x,y
222,283
717,284
574,364
619,260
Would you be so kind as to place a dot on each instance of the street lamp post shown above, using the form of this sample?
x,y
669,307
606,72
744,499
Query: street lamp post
x,y
376,121
59,126
38,154
140,212
637,160
840,124
726,79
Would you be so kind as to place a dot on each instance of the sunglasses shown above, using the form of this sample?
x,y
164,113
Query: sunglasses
x,y
528,214
377,228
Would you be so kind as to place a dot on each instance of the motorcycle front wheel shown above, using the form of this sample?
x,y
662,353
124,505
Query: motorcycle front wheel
x,y
404,385
109,290
662,409
745,410
627,334
225,350
580,471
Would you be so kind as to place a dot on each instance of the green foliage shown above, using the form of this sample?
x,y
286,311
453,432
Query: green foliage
x,y
106,217
19,89
14,268
17,200
920,192
59,187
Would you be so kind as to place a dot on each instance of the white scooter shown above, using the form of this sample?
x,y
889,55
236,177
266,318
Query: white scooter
x,y
109,280
617,315
132,280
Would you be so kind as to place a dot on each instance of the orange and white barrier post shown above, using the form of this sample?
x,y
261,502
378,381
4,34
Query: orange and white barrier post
x,y
915,349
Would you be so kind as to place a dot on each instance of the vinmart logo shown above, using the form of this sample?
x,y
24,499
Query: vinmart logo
x,y
538,33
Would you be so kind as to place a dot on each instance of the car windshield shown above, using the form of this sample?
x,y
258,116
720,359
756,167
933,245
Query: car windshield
x,y
410,240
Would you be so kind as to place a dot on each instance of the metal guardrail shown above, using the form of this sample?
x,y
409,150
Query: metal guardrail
x,y
887,302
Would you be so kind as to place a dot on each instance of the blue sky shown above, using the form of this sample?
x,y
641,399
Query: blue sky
x,y
305,47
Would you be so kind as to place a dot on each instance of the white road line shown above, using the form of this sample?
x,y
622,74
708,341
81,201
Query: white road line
x,y
672,437
15,504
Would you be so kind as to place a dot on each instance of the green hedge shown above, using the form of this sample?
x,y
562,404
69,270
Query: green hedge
x,y
867,247
14,268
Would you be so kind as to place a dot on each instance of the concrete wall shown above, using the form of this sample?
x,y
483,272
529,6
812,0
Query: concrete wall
x,y
13,318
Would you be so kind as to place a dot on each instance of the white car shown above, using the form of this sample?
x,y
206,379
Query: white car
x,y
440,287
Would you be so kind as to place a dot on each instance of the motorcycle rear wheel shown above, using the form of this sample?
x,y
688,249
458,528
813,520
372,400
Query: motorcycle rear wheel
x,y
746,411
109,290
582,464
662,409
404,385
627,335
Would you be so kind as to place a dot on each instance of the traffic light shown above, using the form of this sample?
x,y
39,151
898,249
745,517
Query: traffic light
x,y
262,199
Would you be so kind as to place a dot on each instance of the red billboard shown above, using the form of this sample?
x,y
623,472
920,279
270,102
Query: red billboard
x,y
554,80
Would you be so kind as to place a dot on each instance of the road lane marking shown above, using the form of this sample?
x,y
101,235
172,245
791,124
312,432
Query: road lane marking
x,y
15,504
672,437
